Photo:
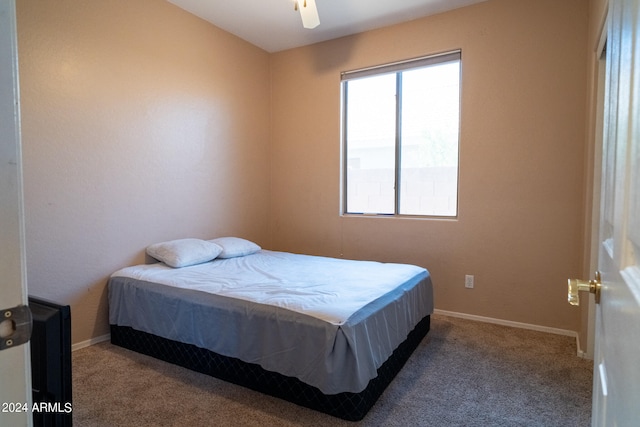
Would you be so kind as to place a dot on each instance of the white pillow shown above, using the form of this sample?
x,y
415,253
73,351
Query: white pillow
x,y
184,252
234,247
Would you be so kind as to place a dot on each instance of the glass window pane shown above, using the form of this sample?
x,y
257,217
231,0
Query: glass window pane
x,y
370,135
429,140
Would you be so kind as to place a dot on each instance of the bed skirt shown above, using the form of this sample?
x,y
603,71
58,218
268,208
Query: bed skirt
x,y
348,406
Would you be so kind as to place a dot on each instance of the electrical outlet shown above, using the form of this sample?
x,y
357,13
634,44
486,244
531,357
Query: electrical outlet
x,y
468,281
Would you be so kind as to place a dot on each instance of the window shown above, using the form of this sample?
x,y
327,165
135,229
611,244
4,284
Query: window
x,y
400,137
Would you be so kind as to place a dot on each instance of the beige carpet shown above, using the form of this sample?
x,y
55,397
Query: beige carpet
x,y
463,373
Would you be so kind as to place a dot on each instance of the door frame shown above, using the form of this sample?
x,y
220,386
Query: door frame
x,y
593,170
15,362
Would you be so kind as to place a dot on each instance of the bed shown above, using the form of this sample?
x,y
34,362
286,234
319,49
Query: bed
x,y
329,334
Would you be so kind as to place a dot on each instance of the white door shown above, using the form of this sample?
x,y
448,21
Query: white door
x,y
15,370
616,390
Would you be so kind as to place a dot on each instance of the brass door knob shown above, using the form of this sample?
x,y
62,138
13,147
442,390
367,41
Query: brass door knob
x,y
576,286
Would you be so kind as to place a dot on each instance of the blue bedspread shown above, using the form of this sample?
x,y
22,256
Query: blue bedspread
x,y
329,322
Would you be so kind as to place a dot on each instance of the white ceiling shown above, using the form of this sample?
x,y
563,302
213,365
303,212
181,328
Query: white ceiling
x,y
274,25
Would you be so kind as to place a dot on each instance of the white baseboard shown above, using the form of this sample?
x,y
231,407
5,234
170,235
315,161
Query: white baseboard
x,y
581,353
92,341
584,354
539,328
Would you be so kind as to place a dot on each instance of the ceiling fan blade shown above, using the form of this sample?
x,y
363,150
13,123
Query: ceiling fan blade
x,y
309,14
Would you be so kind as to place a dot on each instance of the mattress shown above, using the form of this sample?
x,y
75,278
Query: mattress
x,y
330,323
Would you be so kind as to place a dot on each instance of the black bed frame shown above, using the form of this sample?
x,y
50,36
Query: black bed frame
x,y
348,406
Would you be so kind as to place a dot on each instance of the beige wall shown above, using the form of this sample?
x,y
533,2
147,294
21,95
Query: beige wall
x,y
143,123
140,123
522,151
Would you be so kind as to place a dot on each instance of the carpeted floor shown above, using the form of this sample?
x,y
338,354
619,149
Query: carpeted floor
x,y
464,373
